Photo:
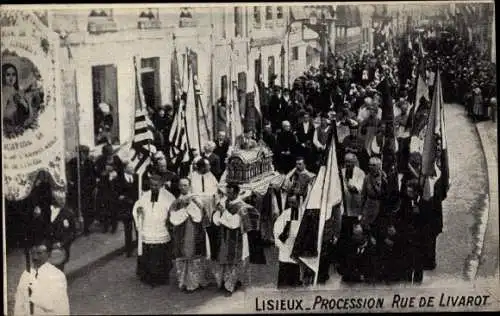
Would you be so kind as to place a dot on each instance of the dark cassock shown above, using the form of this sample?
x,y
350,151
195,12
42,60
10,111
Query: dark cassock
x,y
62,228
81,185
269,138
187,222
287,144
413,221
150,215
275,112
285,230
221,149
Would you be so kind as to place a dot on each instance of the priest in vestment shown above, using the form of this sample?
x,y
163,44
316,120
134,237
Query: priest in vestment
x,y
235,220
205,185
298,180
354,178
150,215
187,221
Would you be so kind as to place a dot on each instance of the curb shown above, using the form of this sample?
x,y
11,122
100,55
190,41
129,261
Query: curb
x,y
490,204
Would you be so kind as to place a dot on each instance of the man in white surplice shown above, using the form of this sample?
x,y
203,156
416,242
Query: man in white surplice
x,y
47,283
150,215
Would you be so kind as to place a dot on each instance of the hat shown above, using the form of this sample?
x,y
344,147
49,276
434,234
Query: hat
x,y
83,149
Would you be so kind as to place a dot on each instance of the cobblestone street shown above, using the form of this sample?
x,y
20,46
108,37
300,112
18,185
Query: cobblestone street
x,y
114,288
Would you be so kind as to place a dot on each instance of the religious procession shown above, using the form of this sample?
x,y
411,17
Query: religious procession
x,y
342,173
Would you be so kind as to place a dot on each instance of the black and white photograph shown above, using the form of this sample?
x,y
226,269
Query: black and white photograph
x,y
250,158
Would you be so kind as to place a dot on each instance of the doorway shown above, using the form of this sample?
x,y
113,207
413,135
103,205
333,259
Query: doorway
x,y
150,81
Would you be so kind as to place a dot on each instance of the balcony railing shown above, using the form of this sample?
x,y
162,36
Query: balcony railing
x,y
187,22
101,24
280,22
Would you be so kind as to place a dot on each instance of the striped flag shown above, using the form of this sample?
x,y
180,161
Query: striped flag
x,y
323,201
175,78
435,162
143,135
191,118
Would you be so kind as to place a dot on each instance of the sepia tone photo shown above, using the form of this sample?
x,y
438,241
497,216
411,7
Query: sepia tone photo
x,y
250,158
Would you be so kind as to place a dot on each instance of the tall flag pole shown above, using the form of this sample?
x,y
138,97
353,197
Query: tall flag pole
x,y
435,161
141,143
175,76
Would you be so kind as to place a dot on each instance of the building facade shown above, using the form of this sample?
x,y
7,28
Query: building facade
x,y
227,45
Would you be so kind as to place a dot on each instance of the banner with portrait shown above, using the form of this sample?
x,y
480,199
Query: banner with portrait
x,y
32,116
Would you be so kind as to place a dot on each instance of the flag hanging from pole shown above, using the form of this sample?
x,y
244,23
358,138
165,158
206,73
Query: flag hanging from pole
x,y
143,135
322,200
435,162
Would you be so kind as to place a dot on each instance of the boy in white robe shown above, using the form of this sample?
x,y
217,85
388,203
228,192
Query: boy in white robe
x,y
43,290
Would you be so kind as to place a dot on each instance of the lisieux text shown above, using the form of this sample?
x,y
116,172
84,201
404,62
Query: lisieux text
x,y
400,302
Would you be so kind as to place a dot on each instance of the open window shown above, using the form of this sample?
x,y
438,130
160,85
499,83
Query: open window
x,y
105,104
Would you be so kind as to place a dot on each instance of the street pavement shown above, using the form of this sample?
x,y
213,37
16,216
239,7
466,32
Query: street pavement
x,y
114,288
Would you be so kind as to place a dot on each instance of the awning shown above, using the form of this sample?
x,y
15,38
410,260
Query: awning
x,y
348,16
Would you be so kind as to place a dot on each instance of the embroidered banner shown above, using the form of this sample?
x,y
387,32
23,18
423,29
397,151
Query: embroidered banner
x,y
32,116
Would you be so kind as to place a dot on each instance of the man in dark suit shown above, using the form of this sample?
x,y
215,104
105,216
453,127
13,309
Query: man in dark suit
x,y
305,133
81,184
215,163
129,194
61,231
222,148
287,145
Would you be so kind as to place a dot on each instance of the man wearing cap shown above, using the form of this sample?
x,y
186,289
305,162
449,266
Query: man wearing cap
x,y
287,145
150,215
81,184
